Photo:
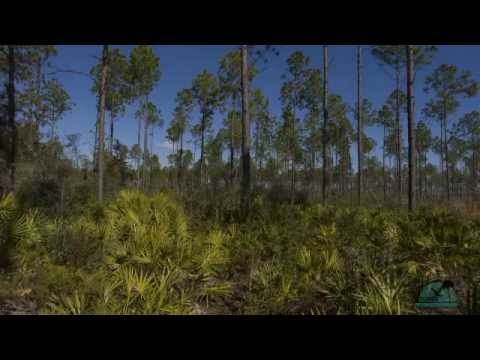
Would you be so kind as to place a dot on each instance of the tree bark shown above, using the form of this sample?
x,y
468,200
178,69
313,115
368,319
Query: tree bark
x,y
420,176
425,174
150,177
257,132
232,159
246,175
384,174
145,151
442,155
325,124
202,148
360,126
180,165
112,127
447,167
139,133
474,165
12,153
36,140
101,124
398,137
411,132
232,148
95,146
292,154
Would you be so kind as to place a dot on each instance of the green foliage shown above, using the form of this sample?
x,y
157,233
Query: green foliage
x,y
57,101
395,55
381,296
150,113
118,89
206,92
143,255
143,71
447,83
16,227
43,194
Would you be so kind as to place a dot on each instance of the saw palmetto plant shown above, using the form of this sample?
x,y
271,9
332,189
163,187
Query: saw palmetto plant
x,y
145,255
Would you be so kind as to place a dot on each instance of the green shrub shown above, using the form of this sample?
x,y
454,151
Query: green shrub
x,y
141,254
39,194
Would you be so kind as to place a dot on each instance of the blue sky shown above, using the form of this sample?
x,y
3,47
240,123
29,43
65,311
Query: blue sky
x,y
181,63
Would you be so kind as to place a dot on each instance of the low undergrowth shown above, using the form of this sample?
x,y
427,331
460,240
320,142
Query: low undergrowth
x,y
142,254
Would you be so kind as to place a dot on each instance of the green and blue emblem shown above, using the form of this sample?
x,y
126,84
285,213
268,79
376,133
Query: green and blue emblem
x,y
438,295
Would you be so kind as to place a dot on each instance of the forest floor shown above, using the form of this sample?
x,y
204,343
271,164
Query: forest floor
x,y
17,306
15,301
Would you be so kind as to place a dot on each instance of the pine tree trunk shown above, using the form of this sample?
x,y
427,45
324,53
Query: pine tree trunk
x,y
325,124
474,166
360,126
150,177
36,143
232,148
180,165
202,149
383,166
313,171
95,146
398,137
139,156
292,155
145,152
112,126
425,172
12,153
232,161
257,131
442,155
411,131
447,167
246,176
420,177
101,124
37,114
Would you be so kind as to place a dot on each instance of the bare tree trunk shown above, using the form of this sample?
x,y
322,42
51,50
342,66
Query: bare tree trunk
x,y
150,177
95,146
411,131
442,154
420,176
474,166
232,148
12,153
312,181
257,131
202,149
246,175
398,137
146,155
292,178
232,160
425,173
139,133
62,197
101,124
180,165
112,125
325,124
360,126
447,165
383,167
36,142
